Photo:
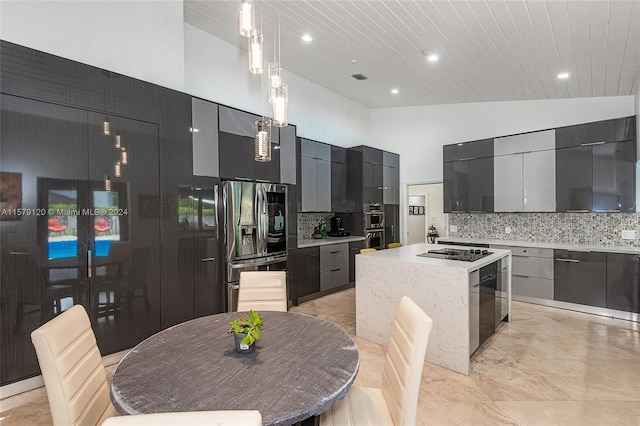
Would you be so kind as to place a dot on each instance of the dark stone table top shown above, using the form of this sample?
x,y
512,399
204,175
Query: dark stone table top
x,y
301,366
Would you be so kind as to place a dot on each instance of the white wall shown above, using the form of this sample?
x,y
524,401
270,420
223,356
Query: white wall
x,y
141,39
218,71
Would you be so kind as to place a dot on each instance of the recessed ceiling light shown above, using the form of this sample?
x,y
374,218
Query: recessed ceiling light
x,y
307,38
562,75
395,91
430,55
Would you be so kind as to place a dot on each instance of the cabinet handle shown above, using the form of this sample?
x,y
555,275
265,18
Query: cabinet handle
x,y
207,259
592,143
314,255
334,270
476,285
335,252
568,260
609,211
466,159
577,211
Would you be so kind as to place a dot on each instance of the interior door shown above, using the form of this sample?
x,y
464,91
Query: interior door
x,y
123,228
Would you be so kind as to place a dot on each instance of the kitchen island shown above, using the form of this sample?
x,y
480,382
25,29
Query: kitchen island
x,y
446,289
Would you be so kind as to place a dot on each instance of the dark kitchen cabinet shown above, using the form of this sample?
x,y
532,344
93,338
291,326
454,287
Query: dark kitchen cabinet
x,y
574,179
391,224
372,175
306,271
288,155
468,185
580,277
391,178
623,282
354,249
237,160
339,200
468,177
208,290
614,169
616,130
315,176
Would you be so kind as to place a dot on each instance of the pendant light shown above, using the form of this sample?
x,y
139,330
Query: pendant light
x,y
117,169
117,140
124,156
280,106
247,18
263,139
275,79
107,183
106,127
255,52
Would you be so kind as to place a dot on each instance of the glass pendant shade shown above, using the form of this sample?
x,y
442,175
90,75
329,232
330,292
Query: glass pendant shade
x,y
255,53
124,156
117,140
107,183
106,127
117,169
275,79
263,139
247,18
280,106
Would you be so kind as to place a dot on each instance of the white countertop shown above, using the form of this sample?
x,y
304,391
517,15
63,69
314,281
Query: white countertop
x,y
312,242
610,249
410,254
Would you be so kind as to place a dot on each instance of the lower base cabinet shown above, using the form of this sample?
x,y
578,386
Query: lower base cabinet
x,y
580,277
306,271
623,282
334,266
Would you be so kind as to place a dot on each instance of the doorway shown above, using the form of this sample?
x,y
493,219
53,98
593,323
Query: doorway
x,y
426,209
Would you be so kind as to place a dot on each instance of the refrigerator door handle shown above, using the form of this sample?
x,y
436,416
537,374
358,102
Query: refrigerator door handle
x,y
263,220
227,196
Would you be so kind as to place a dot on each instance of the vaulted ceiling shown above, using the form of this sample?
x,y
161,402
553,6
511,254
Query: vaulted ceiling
x,y
488,50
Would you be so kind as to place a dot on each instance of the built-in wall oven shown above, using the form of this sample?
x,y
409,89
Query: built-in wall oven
x,y
374,238
373,216
374,226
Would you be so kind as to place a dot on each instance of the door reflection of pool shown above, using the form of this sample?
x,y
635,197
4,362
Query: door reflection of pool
x,y
69,248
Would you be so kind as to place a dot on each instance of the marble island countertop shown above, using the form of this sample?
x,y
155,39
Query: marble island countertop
x,y
312,242
410,254
610,249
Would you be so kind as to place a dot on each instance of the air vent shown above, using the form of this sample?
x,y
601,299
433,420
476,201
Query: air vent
x,y
359,76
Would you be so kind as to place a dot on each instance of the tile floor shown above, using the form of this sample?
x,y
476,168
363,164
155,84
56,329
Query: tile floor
x,y
547,367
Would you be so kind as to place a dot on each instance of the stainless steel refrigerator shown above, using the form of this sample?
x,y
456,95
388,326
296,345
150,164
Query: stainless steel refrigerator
x,y
254,231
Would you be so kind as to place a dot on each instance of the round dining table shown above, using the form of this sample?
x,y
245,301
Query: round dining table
x,y
301,366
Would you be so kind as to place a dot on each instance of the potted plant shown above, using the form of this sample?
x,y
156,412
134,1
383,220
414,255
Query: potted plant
x,y
321,229
246,331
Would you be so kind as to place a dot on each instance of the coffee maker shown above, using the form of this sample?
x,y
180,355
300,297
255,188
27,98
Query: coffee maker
x,y
337,228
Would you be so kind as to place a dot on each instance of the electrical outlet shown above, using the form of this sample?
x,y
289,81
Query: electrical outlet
x,y
507,229
453,228
628,234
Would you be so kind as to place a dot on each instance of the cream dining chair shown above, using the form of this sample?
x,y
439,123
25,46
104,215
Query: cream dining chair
x,y
263,291
396,403
76,381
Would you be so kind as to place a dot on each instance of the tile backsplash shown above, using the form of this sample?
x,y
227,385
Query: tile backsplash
x,y
308,221
558,228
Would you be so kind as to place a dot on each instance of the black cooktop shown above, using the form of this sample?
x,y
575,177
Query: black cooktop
x,y
457,254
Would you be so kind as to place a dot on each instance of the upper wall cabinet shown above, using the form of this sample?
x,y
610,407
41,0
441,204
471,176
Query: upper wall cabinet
x,y
372,175
205,137
617,130
236,148
339,196
524,173
288,154
315,176
595,166
391,178
468,177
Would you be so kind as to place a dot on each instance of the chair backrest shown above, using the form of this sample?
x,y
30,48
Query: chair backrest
x,y
192,418
394,245
120,251
402,371
74,377
367,250
263,291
